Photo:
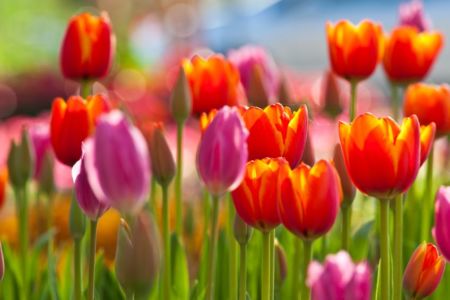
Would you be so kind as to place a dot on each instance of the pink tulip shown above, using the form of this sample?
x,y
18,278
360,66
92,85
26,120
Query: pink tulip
x,y
40,141
222,153
441,230
118,164
412,14
339,279
86,198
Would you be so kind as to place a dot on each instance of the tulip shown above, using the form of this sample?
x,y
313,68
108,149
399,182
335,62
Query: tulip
x,y
123,184
71,123
442,221
382,158
3,185
281,262
431,103
409,54
242,232
332,102
339,279
426,141
257,197
40,141
354,50
412,14
138,256
88,47
222,152
256,66
214,83
163,165
20,162
424,271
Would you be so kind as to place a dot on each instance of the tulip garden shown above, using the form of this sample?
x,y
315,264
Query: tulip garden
x,y
236,184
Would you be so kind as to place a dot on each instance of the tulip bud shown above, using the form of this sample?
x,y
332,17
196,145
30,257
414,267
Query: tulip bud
x,y
40,142
46,180
442,221
281,262
242,232
20,162
332,99
2,263
424,271
256,92
181,98
163,165
348,188
284,94
138,256
308,154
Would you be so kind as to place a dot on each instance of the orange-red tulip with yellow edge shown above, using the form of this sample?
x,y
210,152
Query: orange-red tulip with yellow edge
x,y
257,197
431,103
424,271
409,54
214,83
354,50
382,158
88,47
309,199
71,123
427,134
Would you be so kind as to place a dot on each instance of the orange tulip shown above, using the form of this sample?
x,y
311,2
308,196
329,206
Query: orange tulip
x,y
257,197
214,83
310,199
3,185
424,271
409,54
382,158
88,47
71,123
426,141
431,103
354,50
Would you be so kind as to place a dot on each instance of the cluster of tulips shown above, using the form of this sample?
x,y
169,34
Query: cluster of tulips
x,y
256,159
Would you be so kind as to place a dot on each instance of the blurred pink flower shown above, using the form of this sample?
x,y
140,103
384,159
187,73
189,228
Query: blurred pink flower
x,y
442,221
40,141
412,14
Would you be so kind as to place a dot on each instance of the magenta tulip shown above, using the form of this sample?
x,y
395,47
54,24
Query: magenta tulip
x,y
222,153
441,230
412,14
339,279
117,163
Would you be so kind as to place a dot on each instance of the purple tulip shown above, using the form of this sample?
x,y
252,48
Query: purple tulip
x,y
247,59
40,141
441,230
117,163
412,14
86,198
222,153
339,279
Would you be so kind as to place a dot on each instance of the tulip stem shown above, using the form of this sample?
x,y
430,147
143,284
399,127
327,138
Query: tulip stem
x,y
178,177
395,101
346,222
272,263
307,254
152,198
233,250
427,199
398,246
92,244
166,237
77,268
266,268
212,248
22,216
353,87
243,272
295,267
384,248
85,89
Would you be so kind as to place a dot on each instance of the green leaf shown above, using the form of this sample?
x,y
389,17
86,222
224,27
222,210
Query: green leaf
x,y
180,273
360,242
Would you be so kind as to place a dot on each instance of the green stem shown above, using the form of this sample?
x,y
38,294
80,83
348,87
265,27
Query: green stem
x,y
323,247
179,177
295,268
92,244
307,254
384,248
398,246
232,252
212,248
352,111
395,101
152,198
346,221
77,268
427,199
22,216
272,263
265,286
85,88
243,272
166,238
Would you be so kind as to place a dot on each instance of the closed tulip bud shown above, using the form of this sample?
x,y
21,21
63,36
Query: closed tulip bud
x,y
242,232
163,165
256,93
281,262
339,279
20,162
332,99
46,179
40,141
88,47
348,188
442,221
222,152
308,155
118,163
181,101
138,256
2,263
424,271
284,93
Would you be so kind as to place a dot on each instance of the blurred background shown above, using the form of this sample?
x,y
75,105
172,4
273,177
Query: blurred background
x,y
152,35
